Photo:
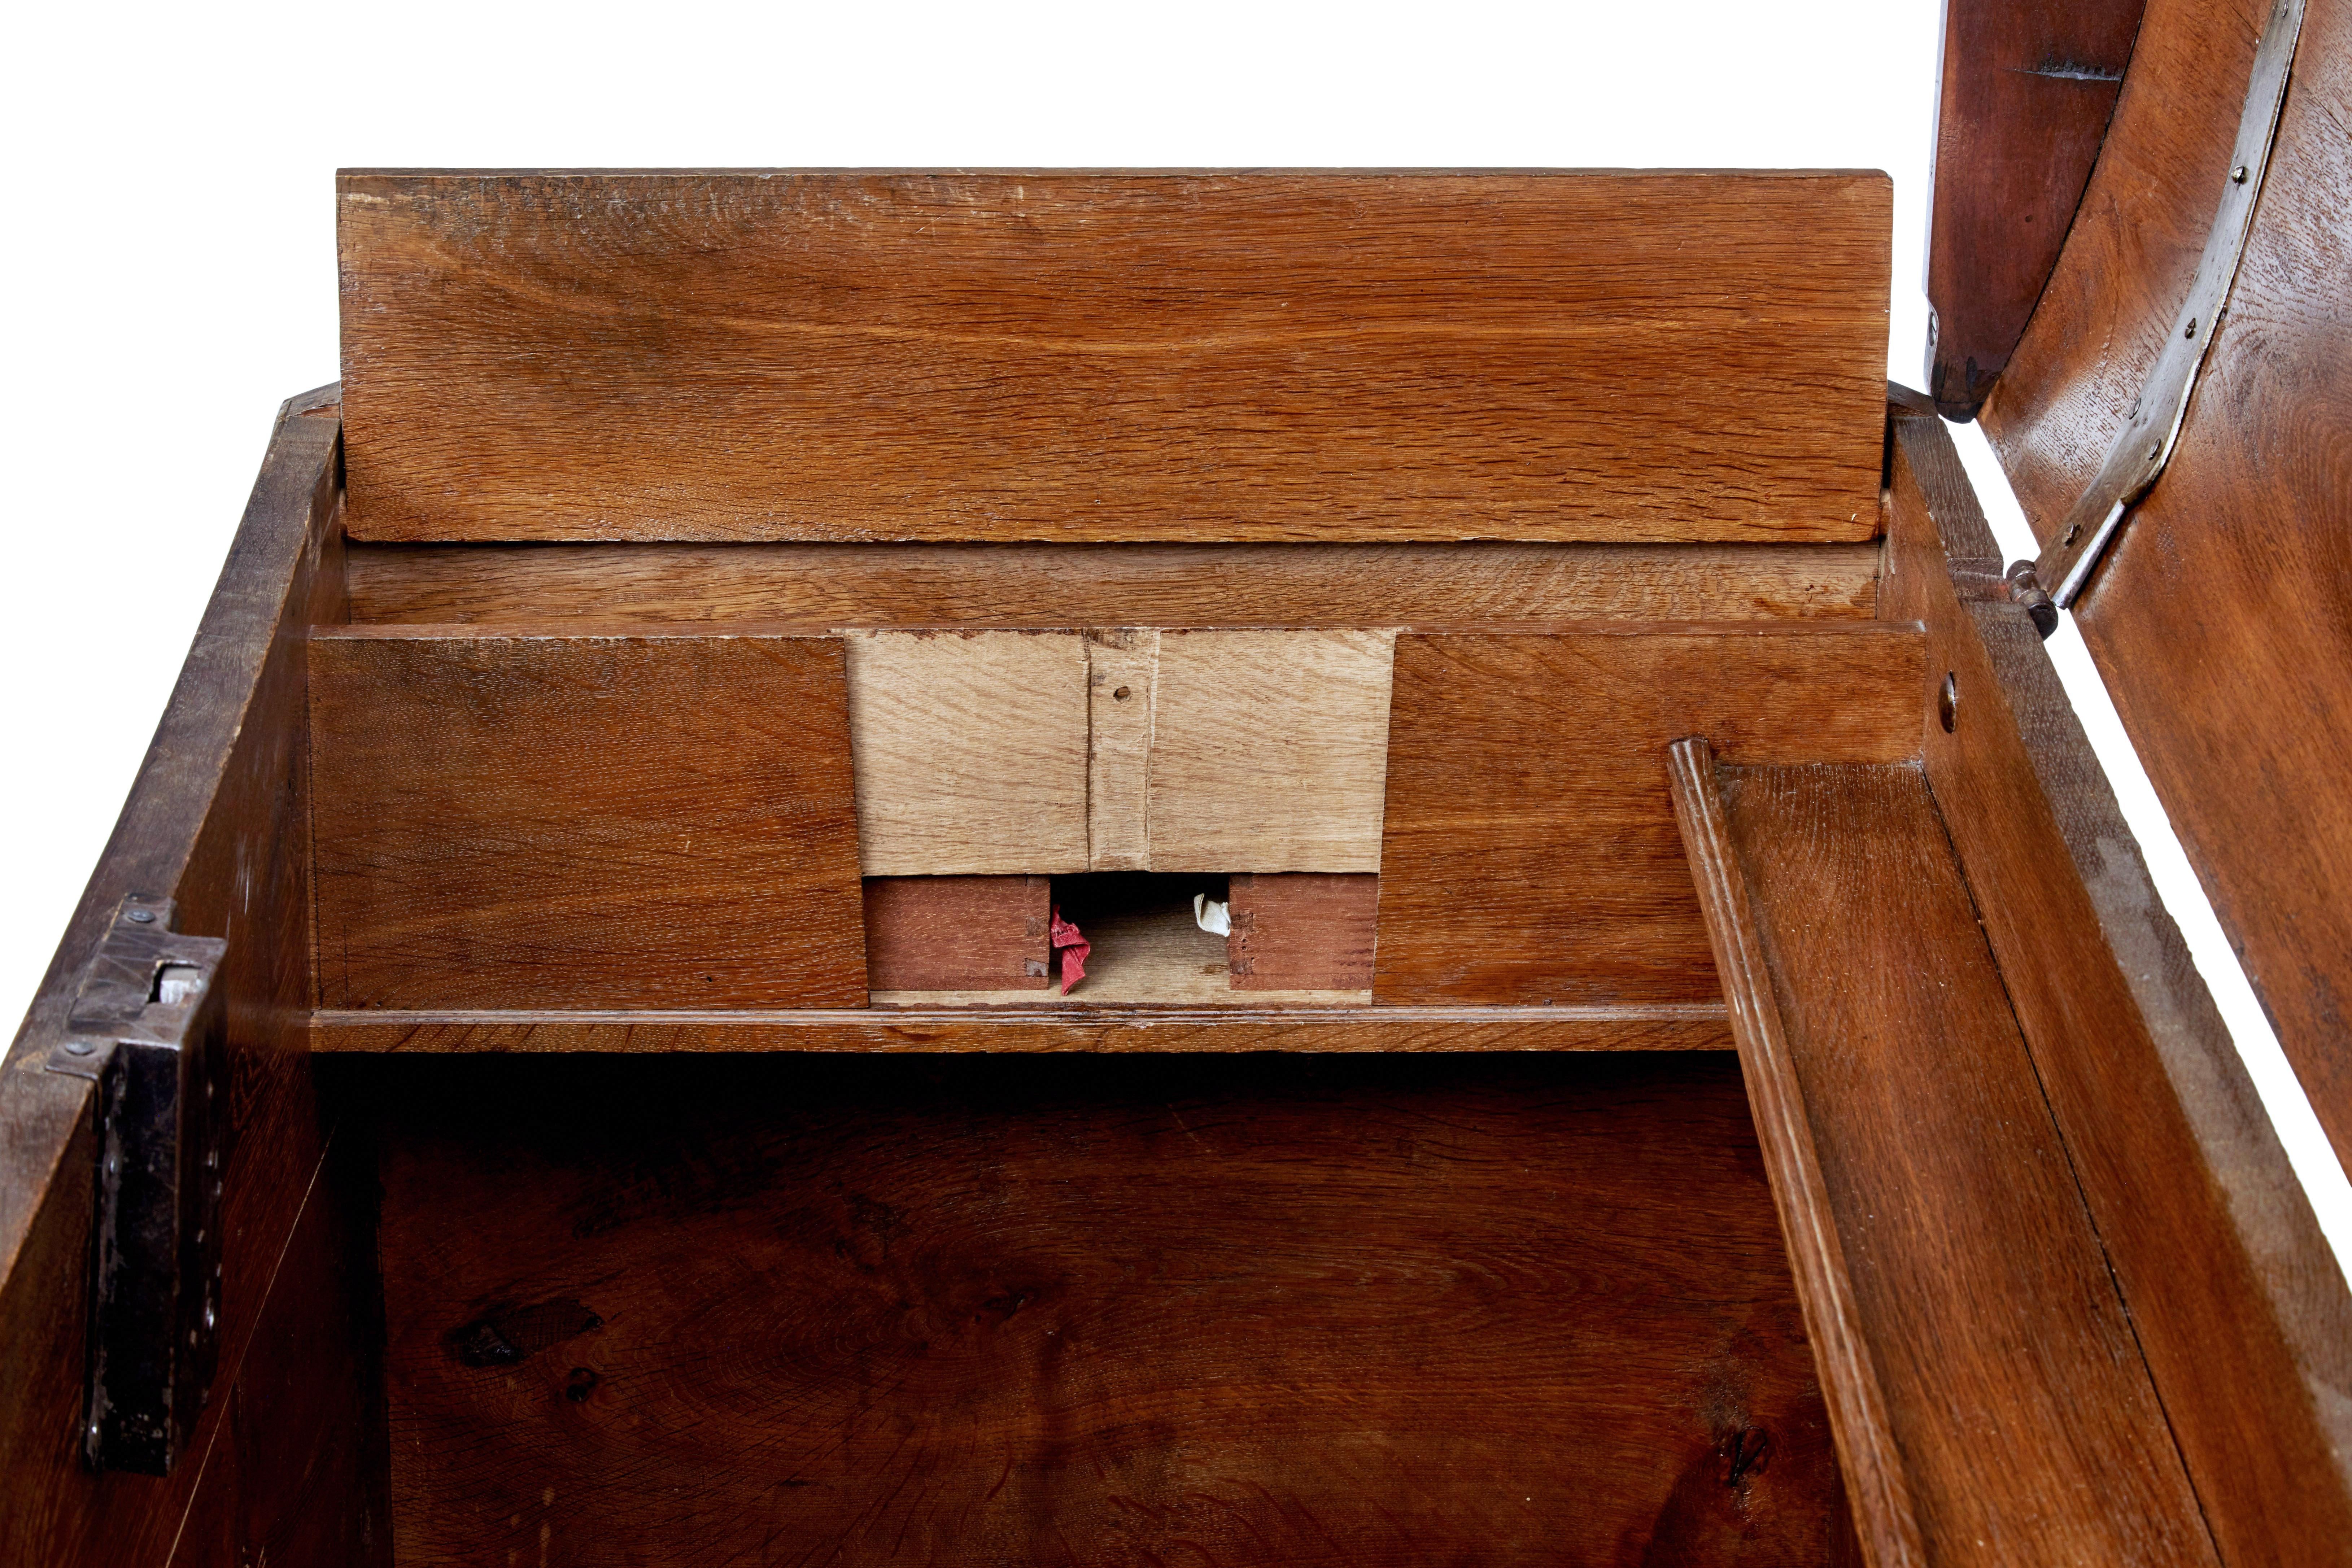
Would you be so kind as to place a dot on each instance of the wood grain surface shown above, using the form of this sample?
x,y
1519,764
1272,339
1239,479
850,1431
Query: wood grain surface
x,y
1269,750
2111,302
819,587
1267,1310
2027,90
2013,1387
958,933
781,355
517,821
277,1465
1302,931
2221,619
1238,1026
1529,853
2140,1072
971,750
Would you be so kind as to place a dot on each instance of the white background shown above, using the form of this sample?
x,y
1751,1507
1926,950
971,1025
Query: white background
x,y
170,270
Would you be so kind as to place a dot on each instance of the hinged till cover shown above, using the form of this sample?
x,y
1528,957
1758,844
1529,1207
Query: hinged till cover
x,y
2188,365
145,1027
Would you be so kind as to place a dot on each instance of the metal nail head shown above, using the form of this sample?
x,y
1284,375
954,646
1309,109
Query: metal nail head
x,y
2238,176
141,917
79,1047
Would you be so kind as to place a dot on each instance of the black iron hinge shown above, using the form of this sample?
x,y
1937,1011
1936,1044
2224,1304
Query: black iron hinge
x,y
146,1028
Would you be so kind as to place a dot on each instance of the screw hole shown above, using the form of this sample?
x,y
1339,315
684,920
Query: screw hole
x,y
1119,696
1948,702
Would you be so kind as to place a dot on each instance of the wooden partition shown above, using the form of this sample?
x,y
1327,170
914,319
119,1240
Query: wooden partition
x,y
1260,1309
549,824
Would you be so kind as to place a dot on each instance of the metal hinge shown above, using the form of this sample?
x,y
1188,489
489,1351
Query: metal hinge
x,y
2139,456
146,1028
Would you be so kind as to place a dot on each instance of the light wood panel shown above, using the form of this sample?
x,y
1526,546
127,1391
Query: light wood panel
x,y
1122,695
1529,852
971,751
1269,750
2140,1071
1240,1312
819,587
556,821
1117,748
684,354
1952,1278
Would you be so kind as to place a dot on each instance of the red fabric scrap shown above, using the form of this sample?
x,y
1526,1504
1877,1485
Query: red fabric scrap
x,y
1073,946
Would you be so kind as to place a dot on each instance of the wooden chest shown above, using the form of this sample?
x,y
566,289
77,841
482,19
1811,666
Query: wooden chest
x,y
1620,1021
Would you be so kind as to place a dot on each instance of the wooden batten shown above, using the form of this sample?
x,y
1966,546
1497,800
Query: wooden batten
x,y
821,588
684,356
1029,1021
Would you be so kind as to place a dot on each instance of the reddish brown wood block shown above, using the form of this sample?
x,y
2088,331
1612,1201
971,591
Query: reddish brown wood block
x,y
1529,853
958,933
1304,930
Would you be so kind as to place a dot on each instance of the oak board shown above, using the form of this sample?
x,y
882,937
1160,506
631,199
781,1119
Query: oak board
x,y
1529,852
1241,355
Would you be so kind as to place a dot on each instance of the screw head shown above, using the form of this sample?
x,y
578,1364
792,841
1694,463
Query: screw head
x,y
79,1047
140,917
2191,329
2238,176
1948,702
